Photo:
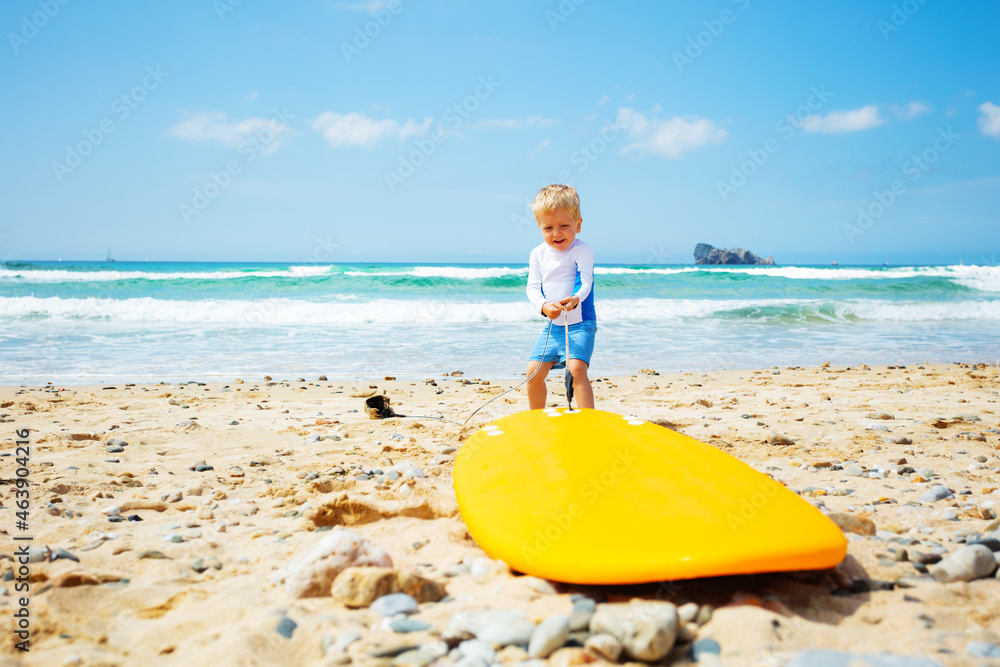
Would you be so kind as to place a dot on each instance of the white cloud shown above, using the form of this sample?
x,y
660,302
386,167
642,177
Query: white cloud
x,y
253,95
370,6
539,148
357,129
216,126
513,123
670,138
837,122
605,98
910,111
989,119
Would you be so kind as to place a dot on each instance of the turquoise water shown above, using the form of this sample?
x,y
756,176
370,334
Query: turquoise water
x,y
95,322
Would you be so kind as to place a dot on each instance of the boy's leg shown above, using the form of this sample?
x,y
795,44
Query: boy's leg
x,y
582,390
536,384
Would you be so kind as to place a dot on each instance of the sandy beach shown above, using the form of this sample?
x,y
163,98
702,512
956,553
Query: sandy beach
x,y
163,516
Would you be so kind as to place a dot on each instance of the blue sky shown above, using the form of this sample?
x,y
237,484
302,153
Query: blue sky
x,y
860,131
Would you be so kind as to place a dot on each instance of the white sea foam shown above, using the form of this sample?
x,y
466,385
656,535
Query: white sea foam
x,y
981,278
63,276
423,312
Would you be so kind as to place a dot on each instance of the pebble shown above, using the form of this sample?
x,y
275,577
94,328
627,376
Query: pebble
x,y
203,468
935,493
966,564
551,634
902,440
414,473
703,646
405,624
286,627
62,553
604,646
202,564
688,612
501,627
982,649
481,569
477,648
150,553
583,611
647,630
853,471
394,603
115,449
827,658
991,543
311,573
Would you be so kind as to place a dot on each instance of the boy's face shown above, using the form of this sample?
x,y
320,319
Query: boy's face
x,y
559,228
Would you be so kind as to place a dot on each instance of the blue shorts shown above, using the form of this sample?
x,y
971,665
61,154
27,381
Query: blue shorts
x,y
581,343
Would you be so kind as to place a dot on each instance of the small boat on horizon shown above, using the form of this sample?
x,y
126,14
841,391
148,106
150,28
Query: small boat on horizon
x,y
109,258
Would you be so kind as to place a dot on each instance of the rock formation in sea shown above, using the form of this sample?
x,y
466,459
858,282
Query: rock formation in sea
x,y
707,254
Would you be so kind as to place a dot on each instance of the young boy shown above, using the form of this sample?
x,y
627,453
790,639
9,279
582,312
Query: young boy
x,y
561,280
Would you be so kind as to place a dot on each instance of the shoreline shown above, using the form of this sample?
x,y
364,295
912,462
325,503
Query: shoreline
x,y
90,383
278,454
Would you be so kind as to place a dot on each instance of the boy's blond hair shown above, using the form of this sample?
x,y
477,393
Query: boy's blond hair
x,y
556,197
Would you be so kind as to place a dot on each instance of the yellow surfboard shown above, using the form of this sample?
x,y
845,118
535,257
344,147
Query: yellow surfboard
x,y
591,497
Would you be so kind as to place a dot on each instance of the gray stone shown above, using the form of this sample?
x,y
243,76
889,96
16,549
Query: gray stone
x,y
394,603
583,611
405,624
477,648
550,635
62,553
826,658
286,627
936,493
499,627
982,649
966,564
853,471
706,645
646,629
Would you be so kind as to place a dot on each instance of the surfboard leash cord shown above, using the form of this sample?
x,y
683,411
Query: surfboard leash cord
x,y
545,345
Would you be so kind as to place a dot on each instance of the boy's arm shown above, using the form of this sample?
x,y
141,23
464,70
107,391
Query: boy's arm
x,y
534,289
585,265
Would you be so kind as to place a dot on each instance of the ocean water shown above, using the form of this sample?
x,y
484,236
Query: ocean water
x,y
89,322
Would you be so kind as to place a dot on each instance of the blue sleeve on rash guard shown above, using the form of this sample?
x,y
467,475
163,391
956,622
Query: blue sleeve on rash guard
x,y
587,305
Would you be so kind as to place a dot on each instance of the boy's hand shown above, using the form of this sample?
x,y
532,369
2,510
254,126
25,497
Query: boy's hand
x,y
552,310
570,302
